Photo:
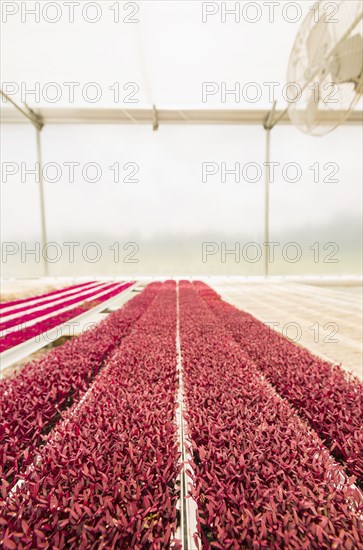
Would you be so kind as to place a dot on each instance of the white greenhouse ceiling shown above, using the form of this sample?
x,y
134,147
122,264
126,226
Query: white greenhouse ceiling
x,y
164,59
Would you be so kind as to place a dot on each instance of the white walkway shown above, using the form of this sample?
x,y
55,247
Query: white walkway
x,y
328,321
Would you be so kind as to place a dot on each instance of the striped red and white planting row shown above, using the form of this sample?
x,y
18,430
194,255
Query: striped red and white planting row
x,y
37,319
21,302
15,312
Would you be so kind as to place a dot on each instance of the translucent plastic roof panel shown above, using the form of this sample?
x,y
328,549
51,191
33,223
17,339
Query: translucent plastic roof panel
x,y
174,54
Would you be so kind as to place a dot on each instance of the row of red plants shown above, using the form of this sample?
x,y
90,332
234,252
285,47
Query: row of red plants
x,y
40,297
32,401
324,394
261,477
43,303
20,335
52,307
107,476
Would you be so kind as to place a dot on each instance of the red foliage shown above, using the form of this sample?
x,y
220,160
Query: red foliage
x,y
32,401
40,297
328,397
50,301
107,476
23,334
261,478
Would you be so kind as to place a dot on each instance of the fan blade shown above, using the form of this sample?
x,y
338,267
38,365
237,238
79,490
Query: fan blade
x,y
347,60
318,43
312,112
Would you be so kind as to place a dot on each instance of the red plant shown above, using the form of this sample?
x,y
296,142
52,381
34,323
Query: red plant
x,y
261,478
328,397
33,401
20,334
106,478
48,309
32,303
41,297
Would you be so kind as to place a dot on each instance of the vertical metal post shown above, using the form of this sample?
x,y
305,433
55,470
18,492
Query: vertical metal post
x,y
268,125
42,205
38,123
267,201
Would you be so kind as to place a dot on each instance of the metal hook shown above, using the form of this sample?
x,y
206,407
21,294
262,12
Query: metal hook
x,y
155,119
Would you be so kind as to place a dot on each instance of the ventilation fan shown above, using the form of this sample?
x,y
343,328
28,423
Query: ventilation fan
x,y
325,66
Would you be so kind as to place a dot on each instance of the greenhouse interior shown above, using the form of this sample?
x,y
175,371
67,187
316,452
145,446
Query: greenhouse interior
x,y
181,275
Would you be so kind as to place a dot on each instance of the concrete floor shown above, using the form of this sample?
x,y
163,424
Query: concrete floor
x,y
328,321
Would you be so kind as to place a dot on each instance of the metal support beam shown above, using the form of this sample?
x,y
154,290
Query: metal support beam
x,y
43,224
75,115
25,111
38,123
268,125
279,117
267,202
